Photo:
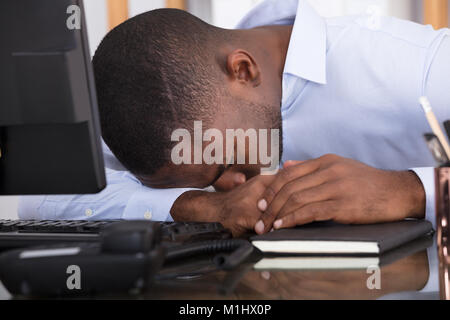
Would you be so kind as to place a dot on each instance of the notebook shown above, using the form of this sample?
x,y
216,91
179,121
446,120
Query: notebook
x,y
329,238
352,262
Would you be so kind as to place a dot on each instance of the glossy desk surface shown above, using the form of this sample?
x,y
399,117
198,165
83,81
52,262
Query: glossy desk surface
x,y
410,274
414,276
402,279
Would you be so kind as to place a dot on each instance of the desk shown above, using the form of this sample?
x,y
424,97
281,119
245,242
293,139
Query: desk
x,y
409,274
401,279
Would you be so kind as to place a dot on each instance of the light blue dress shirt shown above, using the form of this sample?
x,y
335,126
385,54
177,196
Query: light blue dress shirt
x,y
350,87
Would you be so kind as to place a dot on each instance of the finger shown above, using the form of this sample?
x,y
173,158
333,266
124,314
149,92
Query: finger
x,y
291,163
229,180
286,175
296,171
283,177
317,211
323,192
239,178
268,216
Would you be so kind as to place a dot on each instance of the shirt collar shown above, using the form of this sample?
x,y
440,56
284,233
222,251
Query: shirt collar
x,y
306,56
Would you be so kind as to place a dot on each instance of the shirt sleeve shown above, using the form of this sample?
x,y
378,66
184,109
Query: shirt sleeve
x,y
123,198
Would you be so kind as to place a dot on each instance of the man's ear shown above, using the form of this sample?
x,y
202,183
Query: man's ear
x,y
241,67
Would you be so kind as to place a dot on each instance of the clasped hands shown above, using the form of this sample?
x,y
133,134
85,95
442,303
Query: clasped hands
x,y
327,188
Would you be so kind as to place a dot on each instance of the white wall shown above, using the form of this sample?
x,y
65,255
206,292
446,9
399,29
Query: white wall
x,y
227,13
139,6
97,21
400,8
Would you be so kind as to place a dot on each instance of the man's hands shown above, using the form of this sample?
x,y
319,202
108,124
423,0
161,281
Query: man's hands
x,y
236,209
327,188
339,189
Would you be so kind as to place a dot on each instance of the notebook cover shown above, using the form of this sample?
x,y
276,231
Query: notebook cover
x,y
386,235
418,245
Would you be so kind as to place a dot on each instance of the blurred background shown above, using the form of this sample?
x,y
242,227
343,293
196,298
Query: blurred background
x,y
105,14
102,15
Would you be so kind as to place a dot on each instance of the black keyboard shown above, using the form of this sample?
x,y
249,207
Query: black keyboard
x,y
52,226
23,233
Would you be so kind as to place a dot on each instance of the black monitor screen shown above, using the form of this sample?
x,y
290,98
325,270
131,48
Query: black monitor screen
x,y
49,127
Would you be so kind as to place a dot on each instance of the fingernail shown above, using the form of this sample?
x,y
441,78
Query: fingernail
x,y
272,230
277,223
259,227
262,204
265,275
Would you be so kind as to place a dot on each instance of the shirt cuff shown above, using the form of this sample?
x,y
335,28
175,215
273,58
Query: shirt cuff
x,y
426,175
28,207
154,205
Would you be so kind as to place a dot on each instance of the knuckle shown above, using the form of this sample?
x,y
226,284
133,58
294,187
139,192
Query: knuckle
x,y
329,157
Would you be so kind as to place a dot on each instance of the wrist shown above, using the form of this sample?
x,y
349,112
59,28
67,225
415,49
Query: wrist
x,y
416,195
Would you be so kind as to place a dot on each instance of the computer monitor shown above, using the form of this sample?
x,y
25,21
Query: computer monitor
x,y
49,126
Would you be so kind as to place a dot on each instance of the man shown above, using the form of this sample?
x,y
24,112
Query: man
x,y
343,90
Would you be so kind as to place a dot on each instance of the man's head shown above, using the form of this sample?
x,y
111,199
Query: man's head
x,y
165,69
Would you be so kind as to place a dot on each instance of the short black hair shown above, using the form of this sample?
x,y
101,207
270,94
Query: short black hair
x,y
155,73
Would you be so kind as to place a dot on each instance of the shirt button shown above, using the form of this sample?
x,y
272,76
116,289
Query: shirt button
x,y
148,215
88,212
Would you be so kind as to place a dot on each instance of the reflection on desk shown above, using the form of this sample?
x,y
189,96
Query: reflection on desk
x,y
404,278
414,276
408,274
